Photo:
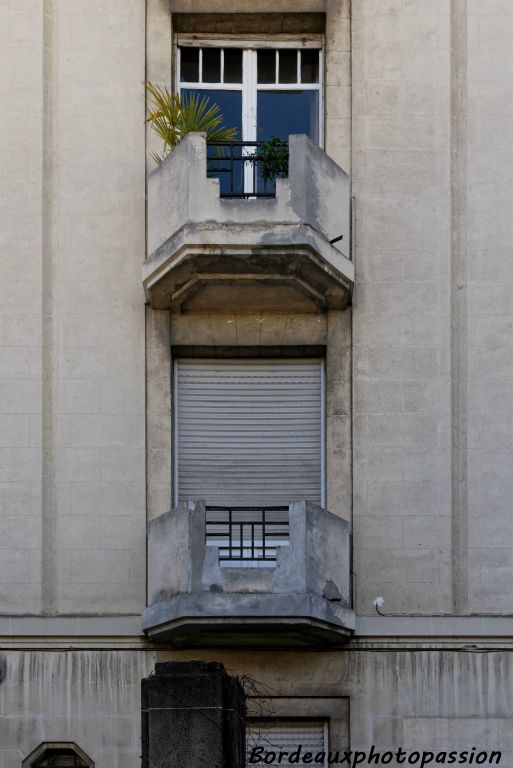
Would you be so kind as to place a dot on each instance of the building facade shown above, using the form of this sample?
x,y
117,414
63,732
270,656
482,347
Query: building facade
x,y
268,424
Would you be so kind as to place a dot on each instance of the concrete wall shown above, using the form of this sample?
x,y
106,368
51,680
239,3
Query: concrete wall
x,y
21,136
415,699
432,141
487,337
72,307
402,74
88,697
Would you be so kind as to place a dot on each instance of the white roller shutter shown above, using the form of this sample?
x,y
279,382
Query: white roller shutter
x,y
249,432
287,736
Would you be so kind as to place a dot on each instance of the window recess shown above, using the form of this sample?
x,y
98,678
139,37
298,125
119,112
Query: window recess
x,y
264,89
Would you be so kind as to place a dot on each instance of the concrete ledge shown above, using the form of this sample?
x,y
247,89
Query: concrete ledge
x,y
434,626
250,620
70,626
210,253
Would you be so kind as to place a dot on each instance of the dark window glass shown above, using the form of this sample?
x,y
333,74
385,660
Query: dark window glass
x,y
220,165
232,65
288,66
229,102
266,66
310,66
281,113
189,61
211,65
58,757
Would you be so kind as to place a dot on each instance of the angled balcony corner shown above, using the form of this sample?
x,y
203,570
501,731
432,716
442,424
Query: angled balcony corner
x,y
207,251
208,585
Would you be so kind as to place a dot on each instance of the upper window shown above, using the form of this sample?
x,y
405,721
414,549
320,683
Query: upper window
x,y
262,92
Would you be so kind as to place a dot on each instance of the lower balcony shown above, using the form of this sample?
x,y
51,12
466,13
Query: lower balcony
x,y
273,577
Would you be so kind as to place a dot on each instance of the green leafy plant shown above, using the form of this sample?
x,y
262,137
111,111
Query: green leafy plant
x,y
273,159
172,119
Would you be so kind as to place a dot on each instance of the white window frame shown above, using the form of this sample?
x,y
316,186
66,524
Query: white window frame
x,y
249,85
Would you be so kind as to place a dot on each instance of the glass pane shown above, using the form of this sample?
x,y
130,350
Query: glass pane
x,y
266,66
232,65
189,61
310,66
229,102
225,163
211,65
288,66
281,113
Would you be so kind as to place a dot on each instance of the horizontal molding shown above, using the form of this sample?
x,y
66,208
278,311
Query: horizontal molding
x,y
434,626
71,626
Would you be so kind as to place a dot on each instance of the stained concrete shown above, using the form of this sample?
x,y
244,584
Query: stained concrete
x,y
304,599
197,239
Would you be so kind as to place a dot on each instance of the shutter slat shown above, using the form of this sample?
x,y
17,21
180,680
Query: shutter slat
x,y
248,433
286,735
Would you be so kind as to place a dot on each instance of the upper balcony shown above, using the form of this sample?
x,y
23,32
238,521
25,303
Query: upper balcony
x,y
208,252
255,577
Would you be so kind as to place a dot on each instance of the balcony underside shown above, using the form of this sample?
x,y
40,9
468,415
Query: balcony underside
x,y
210,268
249,620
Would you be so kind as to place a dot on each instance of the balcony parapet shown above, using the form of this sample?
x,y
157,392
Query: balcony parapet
x,y
205,251
301,602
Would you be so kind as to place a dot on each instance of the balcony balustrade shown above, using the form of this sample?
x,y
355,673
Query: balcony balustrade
x,y
264,577
237,242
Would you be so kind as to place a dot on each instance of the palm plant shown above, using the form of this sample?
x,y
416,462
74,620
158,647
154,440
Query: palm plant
x,y
172,119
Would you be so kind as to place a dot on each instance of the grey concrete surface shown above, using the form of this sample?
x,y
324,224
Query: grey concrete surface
x,y
197,239
309,584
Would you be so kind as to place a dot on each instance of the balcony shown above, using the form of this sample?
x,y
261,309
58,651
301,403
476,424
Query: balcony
x,y
276,577
287,250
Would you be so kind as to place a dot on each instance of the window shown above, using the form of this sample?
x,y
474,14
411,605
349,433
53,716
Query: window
x,y
262,91
58,755
249,433
275,736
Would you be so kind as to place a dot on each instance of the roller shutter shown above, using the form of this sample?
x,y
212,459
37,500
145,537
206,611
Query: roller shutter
x,y
248,432
287,736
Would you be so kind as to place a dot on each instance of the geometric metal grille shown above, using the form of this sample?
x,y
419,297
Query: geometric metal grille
x,y
247,537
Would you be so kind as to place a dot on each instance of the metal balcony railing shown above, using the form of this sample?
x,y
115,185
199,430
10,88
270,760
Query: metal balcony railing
x,y
237,165
247,536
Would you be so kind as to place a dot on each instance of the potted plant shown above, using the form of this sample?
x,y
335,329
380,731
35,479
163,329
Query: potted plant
x,y
172,118
272,157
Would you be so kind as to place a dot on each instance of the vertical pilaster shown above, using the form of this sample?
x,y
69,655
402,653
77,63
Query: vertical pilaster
x,y
338,82
49,325
459,306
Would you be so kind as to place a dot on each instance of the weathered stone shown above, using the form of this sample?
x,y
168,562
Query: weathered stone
x,y
193,714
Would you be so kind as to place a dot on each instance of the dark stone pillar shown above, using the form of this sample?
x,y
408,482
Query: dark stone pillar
x,y
193,716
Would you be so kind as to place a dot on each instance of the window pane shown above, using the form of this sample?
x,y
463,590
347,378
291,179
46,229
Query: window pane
x,y
288,66
266,66
281,113
232,65
310,66
229,172
229,102
211,65
189,60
